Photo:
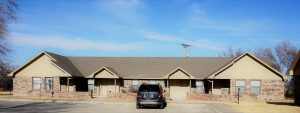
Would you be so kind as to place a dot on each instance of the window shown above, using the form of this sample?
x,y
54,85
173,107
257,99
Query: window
x,y
152,82
255,87
49,83
134,85
91,84
154,88
240,84
36,83
199,86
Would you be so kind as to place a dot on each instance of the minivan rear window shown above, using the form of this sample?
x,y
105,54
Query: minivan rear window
x,y
149,88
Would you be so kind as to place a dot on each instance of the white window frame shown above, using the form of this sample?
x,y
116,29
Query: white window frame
x,y
134,85
255,85
49,84
237,85
36,83
91,82
199,86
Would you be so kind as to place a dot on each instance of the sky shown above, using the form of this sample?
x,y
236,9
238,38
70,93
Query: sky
x,y
150,28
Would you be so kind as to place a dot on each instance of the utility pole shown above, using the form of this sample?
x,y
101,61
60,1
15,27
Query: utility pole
x,y
186,46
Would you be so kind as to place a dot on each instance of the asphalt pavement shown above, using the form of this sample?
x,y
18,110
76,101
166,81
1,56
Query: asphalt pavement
x,y
111,107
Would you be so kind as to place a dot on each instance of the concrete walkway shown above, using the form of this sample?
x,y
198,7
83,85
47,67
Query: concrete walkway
x,y
222,108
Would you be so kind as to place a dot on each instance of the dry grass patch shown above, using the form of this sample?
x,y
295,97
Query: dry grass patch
x,y
266,107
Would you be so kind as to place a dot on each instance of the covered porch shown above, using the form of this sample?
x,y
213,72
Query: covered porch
x,y
215,90
103,82
180,84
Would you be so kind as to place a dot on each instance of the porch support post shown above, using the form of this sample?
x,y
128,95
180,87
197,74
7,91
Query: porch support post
x,y
190,85
120,82
168,85
68,84
115,85
212,86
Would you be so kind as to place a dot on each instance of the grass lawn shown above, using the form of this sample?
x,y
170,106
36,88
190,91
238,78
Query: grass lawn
x,y
266,107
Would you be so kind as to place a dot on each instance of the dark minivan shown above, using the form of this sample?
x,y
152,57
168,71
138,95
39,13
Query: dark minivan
x,y
150,95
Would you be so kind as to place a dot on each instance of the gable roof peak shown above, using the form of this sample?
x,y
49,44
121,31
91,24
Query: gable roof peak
x,y
48,54
253,57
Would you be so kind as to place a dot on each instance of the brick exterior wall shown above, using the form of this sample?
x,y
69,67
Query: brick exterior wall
x,y
210,97
270,90
126,92
131,96
127,84
22,86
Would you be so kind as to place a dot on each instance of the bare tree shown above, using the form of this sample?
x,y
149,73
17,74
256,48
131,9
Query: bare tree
x,y
7,14
285,53
5,81
267,53
281,58
232,53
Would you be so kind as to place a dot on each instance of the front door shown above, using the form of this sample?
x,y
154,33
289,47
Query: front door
x,y
106,86
179,88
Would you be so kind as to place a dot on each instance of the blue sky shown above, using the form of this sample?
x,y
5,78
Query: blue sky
x,y
151,27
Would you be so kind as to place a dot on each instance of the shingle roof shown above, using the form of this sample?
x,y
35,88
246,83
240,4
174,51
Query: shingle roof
x,y
149,67
65,63
141,67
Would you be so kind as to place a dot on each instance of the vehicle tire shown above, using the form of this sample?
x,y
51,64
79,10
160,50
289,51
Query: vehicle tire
x,y
138,106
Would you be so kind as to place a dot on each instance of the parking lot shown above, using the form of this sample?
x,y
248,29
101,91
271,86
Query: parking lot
x,y
114,107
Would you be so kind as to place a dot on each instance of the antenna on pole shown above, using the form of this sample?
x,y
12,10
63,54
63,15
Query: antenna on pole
x,y
186,46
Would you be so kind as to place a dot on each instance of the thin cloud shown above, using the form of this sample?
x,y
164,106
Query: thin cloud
x,y
197,17
202,43
64,43
206,44
160,37
129,10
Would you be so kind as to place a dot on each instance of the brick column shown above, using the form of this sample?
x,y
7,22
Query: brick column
x,y
56,84
232,86
248,86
